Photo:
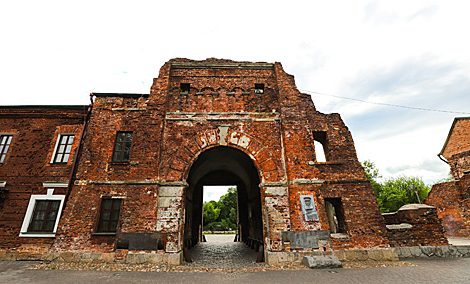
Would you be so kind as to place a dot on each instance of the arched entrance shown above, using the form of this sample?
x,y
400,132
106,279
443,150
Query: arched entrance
x,y
224,166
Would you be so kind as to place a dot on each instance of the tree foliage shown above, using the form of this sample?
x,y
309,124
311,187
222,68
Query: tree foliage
x,y
221,214
395,192
398,191
211,213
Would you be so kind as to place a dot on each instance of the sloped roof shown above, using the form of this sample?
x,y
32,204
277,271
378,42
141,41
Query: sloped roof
x,y
450,132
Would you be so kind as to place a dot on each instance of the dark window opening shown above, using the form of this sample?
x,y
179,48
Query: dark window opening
x,y
185,88
321,146
44,216
335,214
259,88
64,148
5,141
122,148
109,215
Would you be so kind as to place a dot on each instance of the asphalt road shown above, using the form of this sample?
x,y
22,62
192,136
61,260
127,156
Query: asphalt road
x,y
450,270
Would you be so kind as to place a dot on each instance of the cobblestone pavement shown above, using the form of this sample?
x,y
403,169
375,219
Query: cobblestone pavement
x,y
220,251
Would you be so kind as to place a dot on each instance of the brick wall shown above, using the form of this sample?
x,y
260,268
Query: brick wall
x,y
457,147
27,164
415,225
275,128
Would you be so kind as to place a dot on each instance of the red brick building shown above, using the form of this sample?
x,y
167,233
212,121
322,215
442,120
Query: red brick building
x,y
37,150
452,198
145,158
456,149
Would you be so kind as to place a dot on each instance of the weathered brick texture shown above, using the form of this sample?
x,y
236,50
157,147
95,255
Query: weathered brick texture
x,y
211,122
457,147
415,225
451,198
222,107
28,164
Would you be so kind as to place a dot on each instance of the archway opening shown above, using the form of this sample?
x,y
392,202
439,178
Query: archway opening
x,y
220,209
229,167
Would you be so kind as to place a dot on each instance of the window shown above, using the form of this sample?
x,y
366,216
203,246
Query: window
x,y
321,146
259,88
5,141
185,88
62,149
122,148
43,214
109,215
335,214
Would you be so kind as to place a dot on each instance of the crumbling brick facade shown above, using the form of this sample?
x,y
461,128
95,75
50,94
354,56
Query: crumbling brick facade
x,y
198,107
456,149
27,168
415,225
451,198
145,158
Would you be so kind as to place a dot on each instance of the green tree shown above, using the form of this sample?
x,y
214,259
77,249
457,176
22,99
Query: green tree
x,y
228,208
400,191
395,192
372,174
211,213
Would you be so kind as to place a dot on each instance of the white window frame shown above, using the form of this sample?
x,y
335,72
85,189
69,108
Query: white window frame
x,y
9,145
32,203
59,137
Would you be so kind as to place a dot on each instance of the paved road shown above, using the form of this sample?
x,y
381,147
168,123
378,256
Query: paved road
x,y
427,271
433,270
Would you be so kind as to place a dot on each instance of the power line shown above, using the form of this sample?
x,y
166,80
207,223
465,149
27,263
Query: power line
x,y
385,104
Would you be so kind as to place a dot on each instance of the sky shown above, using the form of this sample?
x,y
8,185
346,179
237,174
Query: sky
x,y
355,58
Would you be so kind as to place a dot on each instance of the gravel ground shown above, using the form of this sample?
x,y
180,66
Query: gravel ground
x,y
187,268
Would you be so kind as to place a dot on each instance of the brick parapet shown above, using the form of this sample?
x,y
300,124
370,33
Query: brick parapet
x,y
415,225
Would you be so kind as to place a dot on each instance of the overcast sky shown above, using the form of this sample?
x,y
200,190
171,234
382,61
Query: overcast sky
x,y
407,53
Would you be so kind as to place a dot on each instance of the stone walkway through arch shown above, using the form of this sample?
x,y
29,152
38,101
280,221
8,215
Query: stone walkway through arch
x,y
220,251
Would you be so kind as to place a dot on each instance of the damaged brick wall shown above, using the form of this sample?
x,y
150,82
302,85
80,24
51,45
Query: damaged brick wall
x,y
415,225
460,164
28,164
447,198
195,107
98,176
457,146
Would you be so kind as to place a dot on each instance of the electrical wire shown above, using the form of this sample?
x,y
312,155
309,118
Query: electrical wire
x,y
384,104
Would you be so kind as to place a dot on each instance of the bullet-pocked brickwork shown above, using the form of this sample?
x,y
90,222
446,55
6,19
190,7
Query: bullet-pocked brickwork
x,y
194,106
415,225
29,164
457,147
451,198
211,122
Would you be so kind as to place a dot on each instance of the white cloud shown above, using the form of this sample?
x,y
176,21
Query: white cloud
x,y
212,192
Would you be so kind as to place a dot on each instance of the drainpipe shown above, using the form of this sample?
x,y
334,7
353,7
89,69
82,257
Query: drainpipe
x,y
75,158
442,158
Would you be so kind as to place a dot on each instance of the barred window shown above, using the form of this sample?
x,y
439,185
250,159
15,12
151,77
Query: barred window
x,y
5,141
109,215
122,148
63,148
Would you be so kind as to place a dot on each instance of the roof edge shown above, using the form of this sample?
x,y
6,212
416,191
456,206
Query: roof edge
x,y
44,106
123,95
224,65
450,131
